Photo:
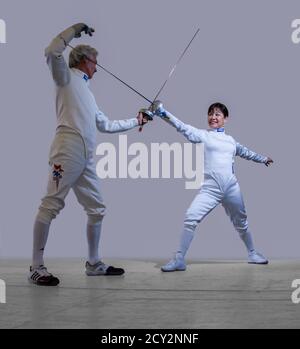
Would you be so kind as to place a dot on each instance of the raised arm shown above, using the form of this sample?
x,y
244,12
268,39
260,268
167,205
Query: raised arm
x,y
55,60
193,134
114,126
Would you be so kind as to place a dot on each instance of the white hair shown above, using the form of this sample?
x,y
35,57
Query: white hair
x,y
79,53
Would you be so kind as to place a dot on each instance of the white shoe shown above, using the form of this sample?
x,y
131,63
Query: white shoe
x,y
40,276
175,264
102,269
256,258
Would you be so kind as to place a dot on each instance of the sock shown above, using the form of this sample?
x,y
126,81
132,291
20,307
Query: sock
x,y
247,239
93,237
186,239
40,236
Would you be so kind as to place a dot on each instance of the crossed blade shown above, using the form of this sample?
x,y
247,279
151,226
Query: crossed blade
x,y
165,82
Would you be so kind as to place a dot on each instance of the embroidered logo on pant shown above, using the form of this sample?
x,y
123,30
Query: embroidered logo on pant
x,y
57,174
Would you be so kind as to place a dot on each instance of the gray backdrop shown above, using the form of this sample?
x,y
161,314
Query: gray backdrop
x,y
243,56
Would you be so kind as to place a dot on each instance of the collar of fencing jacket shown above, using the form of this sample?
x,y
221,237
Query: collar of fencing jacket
x,y
219,129
81,74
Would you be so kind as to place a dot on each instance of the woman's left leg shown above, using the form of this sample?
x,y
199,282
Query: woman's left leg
x,y
234,206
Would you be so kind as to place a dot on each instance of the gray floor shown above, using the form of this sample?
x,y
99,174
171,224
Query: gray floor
x,y
210,294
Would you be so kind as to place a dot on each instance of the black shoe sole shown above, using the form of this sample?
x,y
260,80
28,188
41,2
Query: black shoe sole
x,y
52,282
265,263
114,271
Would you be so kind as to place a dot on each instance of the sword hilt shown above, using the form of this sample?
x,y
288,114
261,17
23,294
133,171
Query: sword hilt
x,y
146,114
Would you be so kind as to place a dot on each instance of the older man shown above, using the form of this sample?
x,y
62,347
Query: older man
x,y
71,154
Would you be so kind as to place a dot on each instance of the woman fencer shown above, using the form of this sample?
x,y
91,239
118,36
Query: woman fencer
x,y
220,183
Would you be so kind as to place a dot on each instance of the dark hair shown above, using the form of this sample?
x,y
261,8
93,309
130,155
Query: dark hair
x,y
220,106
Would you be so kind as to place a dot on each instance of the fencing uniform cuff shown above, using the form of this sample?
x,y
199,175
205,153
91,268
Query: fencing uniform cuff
x,y
67,35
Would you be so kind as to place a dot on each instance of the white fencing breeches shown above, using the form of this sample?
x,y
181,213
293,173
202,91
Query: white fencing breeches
x,y
215,190
71,168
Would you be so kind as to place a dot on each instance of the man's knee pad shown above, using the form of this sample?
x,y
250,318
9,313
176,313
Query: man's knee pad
x,y
95,218
50,208
96,215
45,216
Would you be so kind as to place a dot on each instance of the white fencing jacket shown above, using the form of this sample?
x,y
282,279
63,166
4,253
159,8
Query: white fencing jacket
x,y
220,149
76,107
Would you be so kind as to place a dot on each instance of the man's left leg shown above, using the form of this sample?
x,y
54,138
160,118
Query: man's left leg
x,y
88,193
234,206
